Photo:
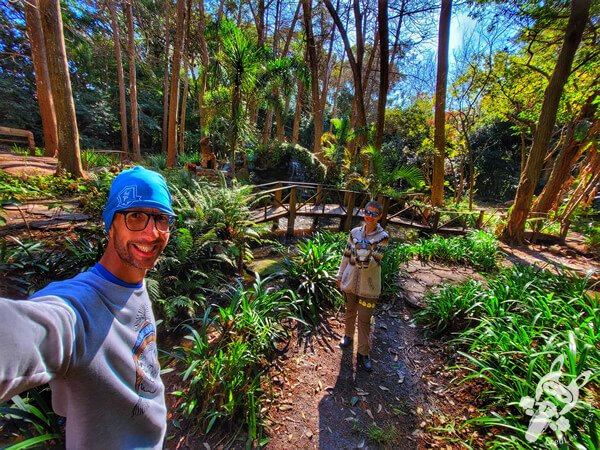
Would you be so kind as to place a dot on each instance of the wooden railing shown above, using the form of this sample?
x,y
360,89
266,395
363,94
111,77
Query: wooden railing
x,y
289,199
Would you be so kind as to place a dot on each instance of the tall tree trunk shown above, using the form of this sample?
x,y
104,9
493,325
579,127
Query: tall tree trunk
x,y
268,125
69,155
165,122
337,86
568,156
174,91
369,81
523,150
337,90
205,62
135,132
384,75
236,103
298,112
183,107
283,115
515,227
356,64
472,174
42,78
280,124
396,47
313,63
120,78
186,57
587,186
252,107
437,185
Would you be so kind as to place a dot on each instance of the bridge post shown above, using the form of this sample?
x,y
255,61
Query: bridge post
x,y
278,195
349,210
319,196
385,203
436,221
480,220
291,211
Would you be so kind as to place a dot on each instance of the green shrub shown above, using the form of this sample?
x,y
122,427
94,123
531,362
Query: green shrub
x,y
220,216
184,276
224,374
522,322
592,239
311,272
449,306
34,419
29,266
394,255
257,315
91,159
477,249
94,194
20,189
223,386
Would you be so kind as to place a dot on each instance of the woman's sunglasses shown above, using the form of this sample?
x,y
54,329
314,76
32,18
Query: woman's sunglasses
x,y
371,213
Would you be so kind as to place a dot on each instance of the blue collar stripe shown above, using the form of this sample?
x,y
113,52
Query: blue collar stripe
x,y
104,273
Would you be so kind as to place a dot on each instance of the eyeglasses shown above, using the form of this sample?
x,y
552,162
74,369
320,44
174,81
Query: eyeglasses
x,y
371,213
138,220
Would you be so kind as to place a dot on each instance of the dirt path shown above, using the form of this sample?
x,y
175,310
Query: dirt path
x,y
321,401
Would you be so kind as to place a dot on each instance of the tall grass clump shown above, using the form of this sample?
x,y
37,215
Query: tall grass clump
x,y
311,271
91,159
477,249
33,420
226,356
526,325
394,255
449,307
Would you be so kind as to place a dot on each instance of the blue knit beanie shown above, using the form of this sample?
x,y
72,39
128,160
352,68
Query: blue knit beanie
x,y
137,188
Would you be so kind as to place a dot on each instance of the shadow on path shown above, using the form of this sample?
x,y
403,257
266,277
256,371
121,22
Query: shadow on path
x,y
379,409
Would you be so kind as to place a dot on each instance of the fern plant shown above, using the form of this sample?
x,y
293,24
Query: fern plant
x,y
221,215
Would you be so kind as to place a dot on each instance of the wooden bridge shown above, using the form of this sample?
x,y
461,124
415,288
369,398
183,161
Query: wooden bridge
x,y
285,199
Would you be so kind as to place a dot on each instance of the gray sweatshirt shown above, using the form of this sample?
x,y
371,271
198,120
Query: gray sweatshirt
x,y
93,338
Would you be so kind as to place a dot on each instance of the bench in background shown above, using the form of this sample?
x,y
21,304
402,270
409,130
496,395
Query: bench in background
x,y
18,136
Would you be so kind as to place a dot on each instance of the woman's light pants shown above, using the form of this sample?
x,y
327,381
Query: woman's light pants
x,y
363,310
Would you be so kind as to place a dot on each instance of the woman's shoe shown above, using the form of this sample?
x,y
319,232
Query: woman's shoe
x,y
364,362
345,342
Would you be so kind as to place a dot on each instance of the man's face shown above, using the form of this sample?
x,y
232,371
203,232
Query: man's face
x,y
134,252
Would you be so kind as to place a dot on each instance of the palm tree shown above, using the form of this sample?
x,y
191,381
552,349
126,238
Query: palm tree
x,y
334,144
278,82
380,181
241,60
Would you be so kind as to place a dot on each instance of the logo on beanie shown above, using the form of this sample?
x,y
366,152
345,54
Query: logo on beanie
x,y
127,196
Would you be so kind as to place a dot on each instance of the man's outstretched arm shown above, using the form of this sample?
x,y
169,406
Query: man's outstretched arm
x,y
36,342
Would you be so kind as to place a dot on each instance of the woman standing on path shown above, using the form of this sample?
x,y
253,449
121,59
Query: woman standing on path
x,y
359,278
